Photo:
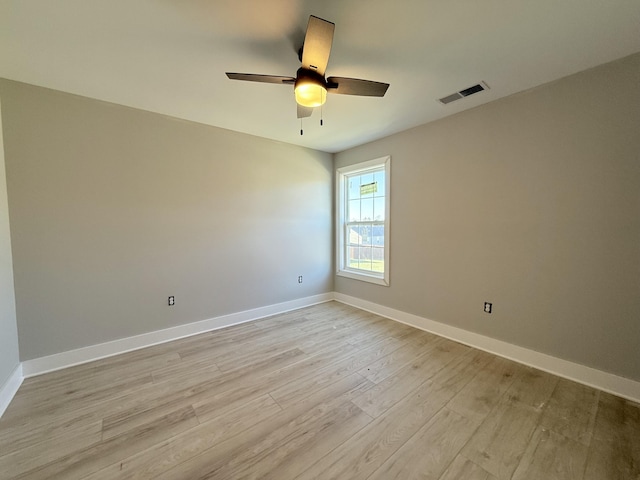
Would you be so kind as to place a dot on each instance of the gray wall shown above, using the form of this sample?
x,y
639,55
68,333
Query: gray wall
x,y
114,209
531,202
9,358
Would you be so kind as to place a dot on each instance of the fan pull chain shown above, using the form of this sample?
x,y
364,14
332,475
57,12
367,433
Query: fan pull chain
x,y
301,131
322,94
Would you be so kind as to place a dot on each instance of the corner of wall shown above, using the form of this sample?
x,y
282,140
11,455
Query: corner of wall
x,y
10,388
10,367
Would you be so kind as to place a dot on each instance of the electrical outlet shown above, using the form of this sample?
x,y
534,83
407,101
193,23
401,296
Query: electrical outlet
x,y
300,279
487,307
172,300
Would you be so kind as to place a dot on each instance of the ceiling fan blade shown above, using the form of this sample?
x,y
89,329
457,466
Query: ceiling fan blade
x,y
304,112
355,86
317,44
253,77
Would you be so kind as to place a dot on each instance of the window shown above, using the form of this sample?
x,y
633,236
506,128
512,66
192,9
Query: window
x,y
363,221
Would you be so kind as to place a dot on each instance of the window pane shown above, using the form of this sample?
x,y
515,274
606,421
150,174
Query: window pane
x,y
353,235
366,209
379,177
365,258
377,235
354,188
378,209
354,211
365,234
366,179
353,257
377,257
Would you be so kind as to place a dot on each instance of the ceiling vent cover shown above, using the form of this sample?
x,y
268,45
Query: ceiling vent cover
x,y
464,93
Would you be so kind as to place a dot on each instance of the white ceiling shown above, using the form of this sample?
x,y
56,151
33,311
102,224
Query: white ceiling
x,y
170,56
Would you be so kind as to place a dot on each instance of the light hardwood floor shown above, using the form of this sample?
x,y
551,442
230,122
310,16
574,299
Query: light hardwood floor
x,y
326,392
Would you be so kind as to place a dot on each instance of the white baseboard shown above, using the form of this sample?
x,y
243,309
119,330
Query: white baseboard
x,y
58,361
10,387
608,382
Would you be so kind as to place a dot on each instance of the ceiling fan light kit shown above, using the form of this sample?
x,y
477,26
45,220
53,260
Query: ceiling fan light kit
x,y
310,84
310,89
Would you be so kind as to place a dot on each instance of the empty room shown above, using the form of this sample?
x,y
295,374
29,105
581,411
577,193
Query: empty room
x,y
302,240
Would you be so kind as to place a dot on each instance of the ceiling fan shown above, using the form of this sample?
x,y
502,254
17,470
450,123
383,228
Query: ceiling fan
x,y
310,84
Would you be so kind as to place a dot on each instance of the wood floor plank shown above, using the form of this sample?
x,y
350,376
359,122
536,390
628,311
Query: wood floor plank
x,y
314,345
32,426
430,451
252,357
501,440
402,331
614,451
367,450
257,419
571,411
464,469
387,393
485,390
386,366
265,439
532,387
91,458
230,350
420,337
552,456
49,449
82,392
255,384
185,368
58,408
292,392
380,331
605,462
139,361
462,370
218,391
296,458
23,434
290,450
159,458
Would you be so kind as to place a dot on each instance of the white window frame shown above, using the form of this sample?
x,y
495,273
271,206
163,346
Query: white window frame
x,y
342,268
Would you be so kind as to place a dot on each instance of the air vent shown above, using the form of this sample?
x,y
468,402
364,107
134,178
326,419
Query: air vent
x,y
464,93
451,98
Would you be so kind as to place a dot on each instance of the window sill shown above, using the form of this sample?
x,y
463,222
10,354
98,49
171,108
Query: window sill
x,y
363,277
